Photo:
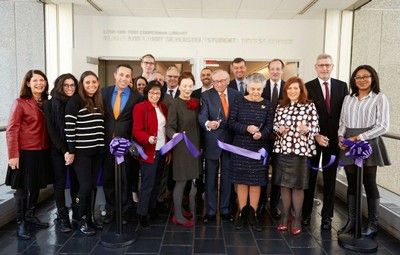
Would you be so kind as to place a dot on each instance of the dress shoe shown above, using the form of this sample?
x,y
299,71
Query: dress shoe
x,y
239,222
186,224
209,218
306,221
227,217
326,224
276,213
143,222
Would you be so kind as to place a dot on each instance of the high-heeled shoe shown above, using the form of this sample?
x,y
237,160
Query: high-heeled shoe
x,y
186,214
296,231
187,224
282,227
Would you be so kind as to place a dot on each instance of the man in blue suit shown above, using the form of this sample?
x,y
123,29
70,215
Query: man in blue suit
x,y
213,119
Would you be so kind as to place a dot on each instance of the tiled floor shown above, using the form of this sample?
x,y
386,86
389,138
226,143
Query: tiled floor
x,y
166,238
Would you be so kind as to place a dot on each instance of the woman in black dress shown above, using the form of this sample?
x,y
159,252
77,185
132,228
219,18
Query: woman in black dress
x,y
251,121
64,88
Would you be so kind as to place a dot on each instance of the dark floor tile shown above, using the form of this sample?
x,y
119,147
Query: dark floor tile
x,y
322,235
239,239
6,234
178,228
268,233
79,245
12,245
153,232
145,246
100,250
178,238
209,246
332,247
181,250
160,220
304,240
242,250
391,246
229,227
208,232
52,237
273,247
42,250
308,251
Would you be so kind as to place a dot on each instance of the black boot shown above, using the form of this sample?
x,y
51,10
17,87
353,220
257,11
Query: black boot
x,y
76,218
239,221
22,231
348,228
32,219
63,221
372,228
85,227
253,221
92,220
143,222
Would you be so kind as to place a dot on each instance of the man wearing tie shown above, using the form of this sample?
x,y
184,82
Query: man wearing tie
x,y
171,90
118,101
239,69
213,118
328,95
273,93
205,77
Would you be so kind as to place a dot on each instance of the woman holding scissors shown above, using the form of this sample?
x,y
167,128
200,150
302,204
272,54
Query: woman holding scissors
x,y
251,121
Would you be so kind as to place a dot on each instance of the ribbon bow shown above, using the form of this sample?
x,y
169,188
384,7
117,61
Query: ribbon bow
x,y
121,146
261,154
358,150
174,141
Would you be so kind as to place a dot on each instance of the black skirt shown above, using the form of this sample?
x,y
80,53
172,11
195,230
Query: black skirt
x,y
291,171
34,171
379,156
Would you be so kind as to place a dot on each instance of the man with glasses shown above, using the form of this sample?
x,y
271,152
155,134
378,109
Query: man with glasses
x,y
213,118
148,64
171,79
328,94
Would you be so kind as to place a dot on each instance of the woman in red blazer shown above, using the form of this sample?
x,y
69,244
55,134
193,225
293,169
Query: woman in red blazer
x,y
149,120
27,143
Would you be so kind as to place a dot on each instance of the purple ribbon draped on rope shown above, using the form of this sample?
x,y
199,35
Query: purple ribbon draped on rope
x,y
174,141
120,146
358,150
331,161
261,154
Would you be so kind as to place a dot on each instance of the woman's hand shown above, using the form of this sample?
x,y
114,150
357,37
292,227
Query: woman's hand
x,y
322,140
168,158
342,146
13,163
283,130
257,135
69,158
252,129
152,139
303,128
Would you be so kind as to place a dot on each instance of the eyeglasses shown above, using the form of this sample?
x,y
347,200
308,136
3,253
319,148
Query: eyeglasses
x,y
69,86
220,81
148,63
155,93
362,78
173,76
324,65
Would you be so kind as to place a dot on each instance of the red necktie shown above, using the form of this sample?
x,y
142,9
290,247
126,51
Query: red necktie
x,y
327,98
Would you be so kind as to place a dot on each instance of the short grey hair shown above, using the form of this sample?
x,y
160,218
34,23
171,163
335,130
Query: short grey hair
x,y
225,73
324,56
255,78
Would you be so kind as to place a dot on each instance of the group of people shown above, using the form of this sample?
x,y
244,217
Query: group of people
x,y
64,140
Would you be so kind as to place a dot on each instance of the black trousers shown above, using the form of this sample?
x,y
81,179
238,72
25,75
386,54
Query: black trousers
x,y
109,181
60,178
369,181
329,177
86,167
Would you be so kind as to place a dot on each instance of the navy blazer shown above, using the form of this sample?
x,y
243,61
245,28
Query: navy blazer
x,y
211,109
122,126
267,91
328,122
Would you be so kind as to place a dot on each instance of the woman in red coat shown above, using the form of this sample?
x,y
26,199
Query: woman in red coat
x,y
27,144
150,118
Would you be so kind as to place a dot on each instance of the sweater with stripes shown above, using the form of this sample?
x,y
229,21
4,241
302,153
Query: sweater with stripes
x,y
84,130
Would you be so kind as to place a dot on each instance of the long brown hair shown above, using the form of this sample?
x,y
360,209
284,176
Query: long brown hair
x,y
303,97
90,102
26,91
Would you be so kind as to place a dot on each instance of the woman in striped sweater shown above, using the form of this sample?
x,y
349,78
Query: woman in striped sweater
x,y
84,129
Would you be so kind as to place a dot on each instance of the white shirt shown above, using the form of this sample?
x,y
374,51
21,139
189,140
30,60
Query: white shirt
x,y
321,83
173,92
161,129
278,86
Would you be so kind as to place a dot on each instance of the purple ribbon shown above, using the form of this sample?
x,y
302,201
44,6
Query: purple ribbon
x,y
174,141
331,161
139,150
120,146
261,154
358,150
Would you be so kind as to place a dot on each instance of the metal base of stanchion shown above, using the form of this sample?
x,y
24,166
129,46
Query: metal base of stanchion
x,y
114,240
362,244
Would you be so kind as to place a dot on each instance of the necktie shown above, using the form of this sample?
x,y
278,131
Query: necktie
x,y
117,104
274,98
224,103
327,98
171,91
241,89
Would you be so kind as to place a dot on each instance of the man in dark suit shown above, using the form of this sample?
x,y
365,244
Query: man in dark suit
x,y
272,92
239,69
171,90
213,118
328,95
205,77
118,101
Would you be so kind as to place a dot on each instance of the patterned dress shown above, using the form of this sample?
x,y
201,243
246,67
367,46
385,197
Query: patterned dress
x,y
242,114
